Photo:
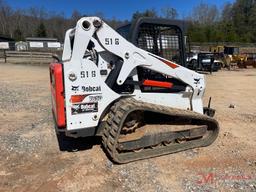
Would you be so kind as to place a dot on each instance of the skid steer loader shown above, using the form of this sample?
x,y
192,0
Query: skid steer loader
x,y
141,104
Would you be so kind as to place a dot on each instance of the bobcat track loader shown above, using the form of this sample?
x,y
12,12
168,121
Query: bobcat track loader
x,y
142,105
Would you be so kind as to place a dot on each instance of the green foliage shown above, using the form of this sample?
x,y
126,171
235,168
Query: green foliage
x,y
237,23
146,13
166,12
18,35
41,30
169,12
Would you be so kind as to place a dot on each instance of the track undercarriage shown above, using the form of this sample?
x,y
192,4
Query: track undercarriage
x,y
137,130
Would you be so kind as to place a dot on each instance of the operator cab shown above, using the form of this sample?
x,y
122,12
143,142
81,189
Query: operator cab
x,y
162,37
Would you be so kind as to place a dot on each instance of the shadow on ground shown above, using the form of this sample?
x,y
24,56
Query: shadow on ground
x,y
77,144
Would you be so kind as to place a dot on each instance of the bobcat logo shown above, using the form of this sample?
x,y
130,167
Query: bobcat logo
x,y
75,88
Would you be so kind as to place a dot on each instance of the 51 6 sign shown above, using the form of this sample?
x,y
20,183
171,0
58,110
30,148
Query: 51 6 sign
x,y
88,74
111,41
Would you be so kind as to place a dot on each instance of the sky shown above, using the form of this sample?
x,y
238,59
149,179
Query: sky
x,y
113,8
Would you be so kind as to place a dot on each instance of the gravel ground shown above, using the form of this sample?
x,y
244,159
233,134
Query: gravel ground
x,y
31,160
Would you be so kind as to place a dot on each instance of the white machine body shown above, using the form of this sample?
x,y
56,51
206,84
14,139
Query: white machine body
x,y
87,95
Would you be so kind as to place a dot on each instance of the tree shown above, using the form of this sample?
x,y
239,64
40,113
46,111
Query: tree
x,y
17,34
205,24
235,22
169,13
114,23
244,19
205,14
5,14
41,31
227,12
75,15
146,13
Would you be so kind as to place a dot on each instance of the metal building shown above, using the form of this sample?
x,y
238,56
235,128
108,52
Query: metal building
x,y
43,43
7,43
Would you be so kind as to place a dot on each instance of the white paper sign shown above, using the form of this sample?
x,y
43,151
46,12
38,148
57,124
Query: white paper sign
x,y
4,45
53,44
36,44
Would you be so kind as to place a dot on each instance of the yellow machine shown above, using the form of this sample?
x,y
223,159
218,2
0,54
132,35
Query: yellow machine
x,y
216,49
249,59
229,55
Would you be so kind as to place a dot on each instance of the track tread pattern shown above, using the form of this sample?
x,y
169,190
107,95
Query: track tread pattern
x,y
120,110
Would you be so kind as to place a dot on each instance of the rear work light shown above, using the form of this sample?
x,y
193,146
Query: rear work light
x,y
57,93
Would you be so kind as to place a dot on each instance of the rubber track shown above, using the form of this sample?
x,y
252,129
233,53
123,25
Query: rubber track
x,y
120,110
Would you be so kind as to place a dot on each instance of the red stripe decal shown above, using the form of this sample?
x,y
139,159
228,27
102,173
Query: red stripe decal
x,y
153,83
169,63
77,98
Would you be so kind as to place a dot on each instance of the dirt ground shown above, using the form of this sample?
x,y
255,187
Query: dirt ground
x,y
30,159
